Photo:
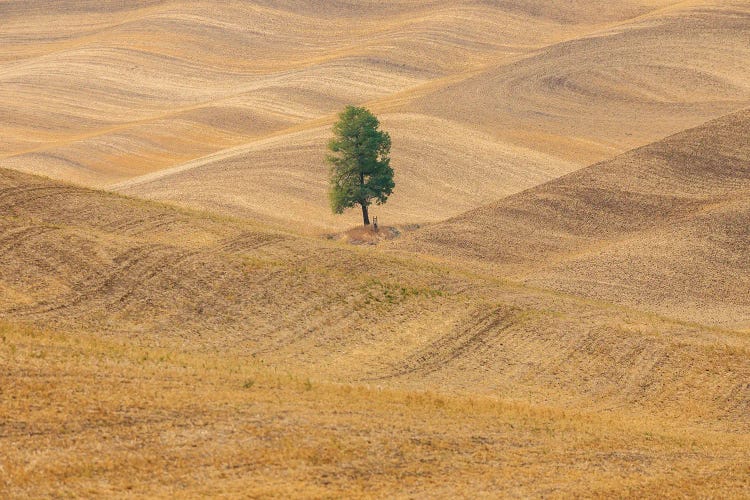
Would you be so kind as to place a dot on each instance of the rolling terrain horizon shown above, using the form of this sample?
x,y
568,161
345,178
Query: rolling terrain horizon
x,y
227,109
561,308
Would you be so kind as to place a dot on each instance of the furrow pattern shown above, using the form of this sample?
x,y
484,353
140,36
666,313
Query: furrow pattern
x,y
467,339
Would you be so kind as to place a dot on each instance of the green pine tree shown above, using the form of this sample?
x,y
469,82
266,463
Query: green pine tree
x,y
360,162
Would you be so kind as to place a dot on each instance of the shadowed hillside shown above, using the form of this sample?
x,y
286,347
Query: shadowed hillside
x,y
664,227
205,333
82,260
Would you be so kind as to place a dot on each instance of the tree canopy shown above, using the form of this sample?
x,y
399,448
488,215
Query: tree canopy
x,y
360,162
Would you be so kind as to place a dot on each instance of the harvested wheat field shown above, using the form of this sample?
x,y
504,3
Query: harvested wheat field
x,y
555,304
665,227
227,109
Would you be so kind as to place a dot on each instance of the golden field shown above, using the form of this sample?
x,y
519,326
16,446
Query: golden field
x,y
228,108
119,285
560,310
120,419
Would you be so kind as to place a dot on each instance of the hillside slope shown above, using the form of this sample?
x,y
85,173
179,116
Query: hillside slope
x,y
284,181
82,260
664,227
159,423
512,122
228,355
607,91
586,335
481,99
153,85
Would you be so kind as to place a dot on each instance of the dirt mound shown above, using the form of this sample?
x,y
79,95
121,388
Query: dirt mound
x,y
366,235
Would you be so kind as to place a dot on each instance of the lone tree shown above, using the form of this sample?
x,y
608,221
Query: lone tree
x,y
360,163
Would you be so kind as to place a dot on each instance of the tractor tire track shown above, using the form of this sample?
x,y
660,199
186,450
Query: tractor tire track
x,y
128,271
247,241
476,336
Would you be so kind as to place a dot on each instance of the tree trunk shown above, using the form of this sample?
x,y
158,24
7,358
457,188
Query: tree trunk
x,y
365,215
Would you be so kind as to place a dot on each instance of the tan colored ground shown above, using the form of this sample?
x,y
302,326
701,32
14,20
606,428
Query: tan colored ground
x,y
92,417
664,228
531,332
275,181
597,398
482,100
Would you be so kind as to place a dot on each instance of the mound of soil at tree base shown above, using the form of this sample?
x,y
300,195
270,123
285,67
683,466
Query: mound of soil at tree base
x,y
367,235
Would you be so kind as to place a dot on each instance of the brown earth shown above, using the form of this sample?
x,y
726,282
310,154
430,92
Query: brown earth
x,y
585,335
662,228
368,235
144,282
85,416
228,108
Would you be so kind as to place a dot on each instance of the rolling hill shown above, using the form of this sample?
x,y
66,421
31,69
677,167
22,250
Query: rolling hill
x,y
663,227
526,90
564,312
613,89
193,309
274,180
143,270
